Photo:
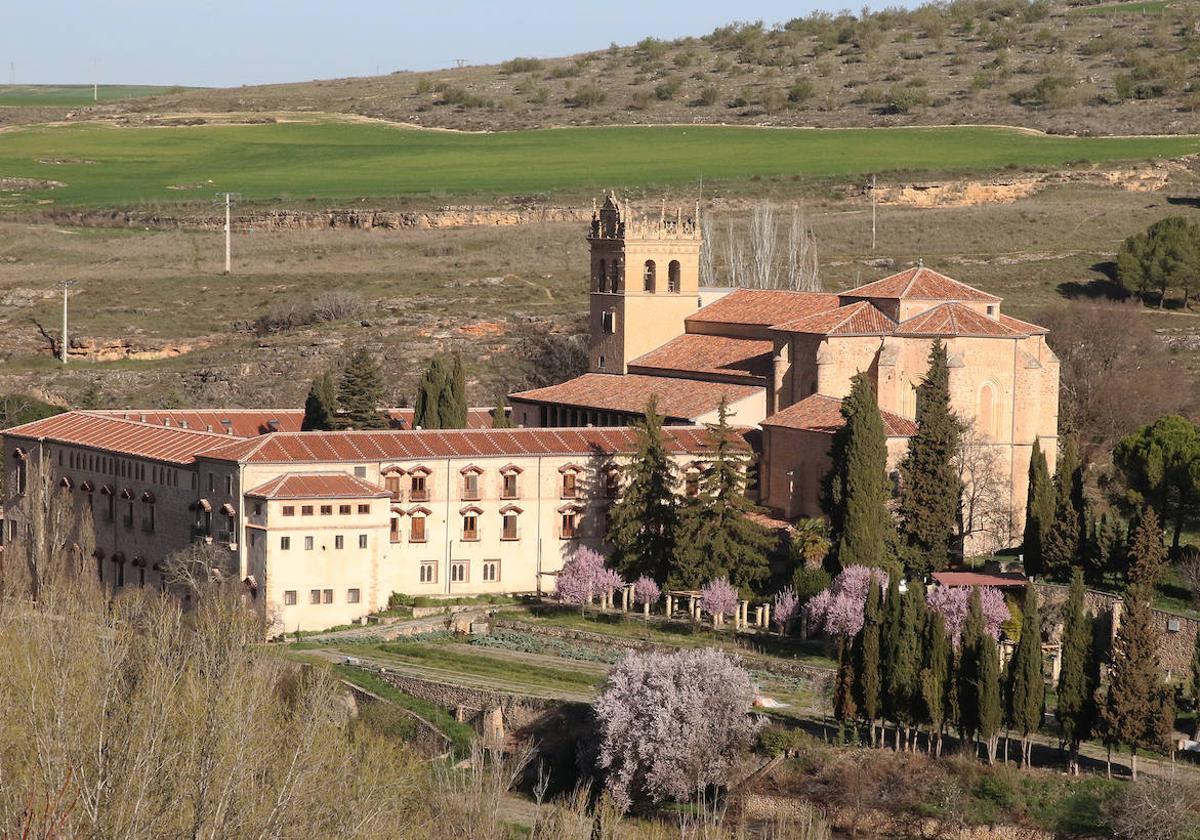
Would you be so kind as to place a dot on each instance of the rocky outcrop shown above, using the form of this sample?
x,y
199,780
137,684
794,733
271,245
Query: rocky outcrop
x,y
119,349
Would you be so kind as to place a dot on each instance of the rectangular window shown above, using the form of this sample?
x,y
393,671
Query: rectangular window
x,y
568,485
471,486
289,510
339,542
308,543
353,596
289,598
608,321
360,472
258,508
327,510
491,570
228,485
612,483
510,486
394,529
470,527
417,491
569,522
416,530
392,484
285,543
458,571
364,509
306,510
362,540
343,510
326,596
314,596
510,527
691,486
428,573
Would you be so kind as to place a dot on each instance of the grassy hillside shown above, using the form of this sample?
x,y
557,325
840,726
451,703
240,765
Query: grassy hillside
x,y
1116,68
75,95
98,165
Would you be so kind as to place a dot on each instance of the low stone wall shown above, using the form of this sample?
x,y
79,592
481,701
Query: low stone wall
x,y
428,739
1177,633
518,710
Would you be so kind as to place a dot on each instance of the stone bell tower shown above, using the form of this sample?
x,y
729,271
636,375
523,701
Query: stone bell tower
x,y
645,279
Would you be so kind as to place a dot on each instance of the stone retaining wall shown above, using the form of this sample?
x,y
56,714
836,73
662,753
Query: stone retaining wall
x,y
518,711
428,739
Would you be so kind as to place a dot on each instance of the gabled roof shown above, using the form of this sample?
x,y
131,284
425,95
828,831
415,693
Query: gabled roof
x,y
123,437
429,444
955,319
819,413
477,418
919,283
763,307
331,485
1022,326
711,354
241,422
684,399
859,318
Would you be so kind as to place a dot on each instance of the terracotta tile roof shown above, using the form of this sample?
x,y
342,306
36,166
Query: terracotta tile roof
x,y
819,413
715,354
242,422
860,318
477,418
763,307
685,399
956,320
956,579
919,283
1022,326
312,447
123,437
331,485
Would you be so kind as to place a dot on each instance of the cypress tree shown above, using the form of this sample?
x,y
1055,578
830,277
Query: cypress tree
x,y
1060,552
844,708
427,413
500,416
967,696
935,678
856,488
320,406
644,522
904,685
1137,709
991,709
360,392
931,490
1069,480
452,401
888,646
1039,510
870,684
1026,684
718,538
1196,687
1078,674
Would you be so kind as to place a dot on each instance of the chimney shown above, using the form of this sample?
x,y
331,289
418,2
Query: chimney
x,y
166,421
183,424
227,424
208,427
273,425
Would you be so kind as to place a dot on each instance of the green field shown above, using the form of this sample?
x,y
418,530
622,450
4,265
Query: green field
x,y
69,96
105,166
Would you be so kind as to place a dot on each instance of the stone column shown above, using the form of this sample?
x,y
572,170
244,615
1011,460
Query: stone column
x,y
766,615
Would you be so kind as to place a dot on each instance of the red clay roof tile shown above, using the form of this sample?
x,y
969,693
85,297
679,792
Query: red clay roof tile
x,y
763,307
685,399
819,413
242,422
712,354
860,318
332,485
954,319
919,283
125,437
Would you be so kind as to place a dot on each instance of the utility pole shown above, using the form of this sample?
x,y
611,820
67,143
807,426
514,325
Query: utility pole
x,y
228,198
873,202
95,79
62,345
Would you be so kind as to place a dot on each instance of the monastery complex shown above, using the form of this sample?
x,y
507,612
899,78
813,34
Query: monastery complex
x,y
324,526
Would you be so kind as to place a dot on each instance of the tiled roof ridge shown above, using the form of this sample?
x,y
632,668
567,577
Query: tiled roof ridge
x,y
99,414
848,313
955,311
113,411
915,273
278,484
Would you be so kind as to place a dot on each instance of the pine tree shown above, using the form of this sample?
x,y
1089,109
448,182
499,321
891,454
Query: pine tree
x,y
967,660
1039,510
644,522
452,401
718,538
427,411
320,407
1078,674
935,678
360,393
991,709
869,686
856,490
500,416
1026,684
1138,708
931,490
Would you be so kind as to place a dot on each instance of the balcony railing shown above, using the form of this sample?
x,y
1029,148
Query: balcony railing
x,y
419,495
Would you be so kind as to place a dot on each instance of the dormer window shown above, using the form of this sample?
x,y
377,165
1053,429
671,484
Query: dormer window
x,y
991,310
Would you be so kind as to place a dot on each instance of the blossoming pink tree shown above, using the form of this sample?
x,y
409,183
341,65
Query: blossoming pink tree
x,y
646,592
718,598
953,602
672,724
584,578
785,607
838,611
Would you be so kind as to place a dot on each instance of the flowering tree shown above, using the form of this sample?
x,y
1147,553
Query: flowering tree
x,y
785,607
838,611
646,593
607,581
671,724
583,577
719,599
952,603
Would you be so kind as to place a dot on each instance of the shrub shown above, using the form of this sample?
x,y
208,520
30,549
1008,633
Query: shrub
x,y
521,65
776,740
334,305
807,583
641,99
667,89
652,48
423,86
800,92
708,95
1050,91
902,100
587,96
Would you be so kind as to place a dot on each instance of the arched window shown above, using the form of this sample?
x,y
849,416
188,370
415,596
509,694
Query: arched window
x,y
614,276
648,276
601,275
986,412
673,277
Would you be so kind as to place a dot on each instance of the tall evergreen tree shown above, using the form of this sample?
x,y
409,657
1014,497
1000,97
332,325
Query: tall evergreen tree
x,y
904,676
427,413
1039,510
452,402
931,490
320,407
1026,694
1138,708
844,708
893,606
935,678
869,685
644,522
1078,674
500,416
1069,480
360,392
991,707
856,488
1196,688
967,661
1061,551
718,538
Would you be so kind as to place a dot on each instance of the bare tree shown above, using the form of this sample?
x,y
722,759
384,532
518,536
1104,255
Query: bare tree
x,y
708,269
763,235
803,269
985,521
735,259
45,527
